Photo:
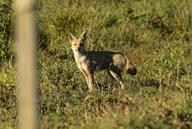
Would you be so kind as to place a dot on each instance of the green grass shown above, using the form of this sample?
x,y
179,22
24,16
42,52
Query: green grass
x,y
155,35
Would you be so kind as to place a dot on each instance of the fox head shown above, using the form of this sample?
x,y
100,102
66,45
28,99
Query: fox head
x,y
77,44
131,69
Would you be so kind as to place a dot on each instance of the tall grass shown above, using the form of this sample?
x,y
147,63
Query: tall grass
x,y
155,35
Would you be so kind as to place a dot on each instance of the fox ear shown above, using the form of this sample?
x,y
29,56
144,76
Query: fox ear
x,y
83,36
71,37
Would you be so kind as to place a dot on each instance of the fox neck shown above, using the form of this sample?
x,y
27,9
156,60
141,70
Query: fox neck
x,y
79,54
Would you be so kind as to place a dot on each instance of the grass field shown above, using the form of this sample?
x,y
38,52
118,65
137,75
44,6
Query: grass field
x,y
155,34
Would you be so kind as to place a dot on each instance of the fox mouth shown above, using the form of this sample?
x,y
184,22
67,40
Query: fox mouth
x,y
75,49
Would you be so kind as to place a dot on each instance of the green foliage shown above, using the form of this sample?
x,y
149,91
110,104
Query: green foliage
x,y
6,30
155,35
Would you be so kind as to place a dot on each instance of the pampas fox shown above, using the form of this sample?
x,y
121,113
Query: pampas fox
x,y
90,61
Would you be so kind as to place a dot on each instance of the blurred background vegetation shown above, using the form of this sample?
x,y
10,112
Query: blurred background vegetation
x,y
155,35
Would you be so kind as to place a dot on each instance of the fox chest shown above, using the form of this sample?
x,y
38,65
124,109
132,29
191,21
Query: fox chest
x,y
83,63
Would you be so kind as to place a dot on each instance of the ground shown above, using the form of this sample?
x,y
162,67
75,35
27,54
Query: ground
x,y
155,35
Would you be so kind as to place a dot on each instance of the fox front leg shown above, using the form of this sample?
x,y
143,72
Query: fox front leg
x,y
91,81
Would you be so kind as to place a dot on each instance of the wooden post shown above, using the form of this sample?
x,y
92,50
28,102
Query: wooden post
x,y
25,35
